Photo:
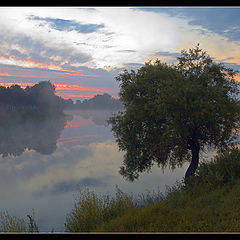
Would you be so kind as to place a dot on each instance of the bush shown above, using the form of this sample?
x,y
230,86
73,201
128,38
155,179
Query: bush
x,y
223,169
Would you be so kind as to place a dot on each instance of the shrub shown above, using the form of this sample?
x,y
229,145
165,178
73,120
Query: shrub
x,y
223,169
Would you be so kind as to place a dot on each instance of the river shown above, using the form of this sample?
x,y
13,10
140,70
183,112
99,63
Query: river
x,y
44,163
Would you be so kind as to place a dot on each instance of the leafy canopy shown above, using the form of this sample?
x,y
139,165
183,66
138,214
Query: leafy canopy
x,y
167,107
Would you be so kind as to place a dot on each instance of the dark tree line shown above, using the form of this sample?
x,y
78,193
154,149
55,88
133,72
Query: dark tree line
x,y
105,101
40,97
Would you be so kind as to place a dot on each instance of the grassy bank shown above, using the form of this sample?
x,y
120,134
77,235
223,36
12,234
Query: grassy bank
x,y
196,210
209,203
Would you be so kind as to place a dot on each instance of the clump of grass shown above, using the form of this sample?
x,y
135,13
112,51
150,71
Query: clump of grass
x,y
149,197
14,224
91,210
11,224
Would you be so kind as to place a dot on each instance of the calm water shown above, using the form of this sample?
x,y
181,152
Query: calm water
x,y
43,163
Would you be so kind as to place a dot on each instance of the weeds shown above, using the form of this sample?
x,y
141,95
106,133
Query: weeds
x,y
14,224
91,210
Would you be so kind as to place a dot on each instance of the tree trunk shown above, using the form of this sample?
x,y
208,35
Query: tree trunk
x,y
195,147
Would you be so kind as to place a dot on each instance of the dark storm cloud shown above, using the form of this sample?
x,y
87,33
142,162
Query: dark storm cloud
x,y
69,25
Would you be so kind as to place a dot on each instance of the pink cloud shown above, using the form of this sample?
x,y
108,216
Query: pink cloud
x,y
74,87
76,124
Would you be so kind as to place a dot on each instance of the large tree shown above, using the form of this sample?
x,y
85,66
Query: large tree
x,y
172,112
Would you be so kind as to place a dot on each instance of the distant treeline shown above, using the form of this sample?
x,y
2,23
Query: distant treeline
x,y
40,97
104,101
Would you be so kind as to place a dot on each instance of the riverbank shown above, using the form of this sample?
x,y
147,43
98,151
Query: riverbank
x,y
210,203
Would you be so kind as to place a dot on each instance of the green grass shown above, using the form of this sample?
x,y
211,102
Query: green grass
x,y
91,210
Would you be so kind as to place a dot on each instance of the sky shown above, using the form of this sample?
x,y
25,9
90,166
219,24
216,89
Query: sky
x,y
81,50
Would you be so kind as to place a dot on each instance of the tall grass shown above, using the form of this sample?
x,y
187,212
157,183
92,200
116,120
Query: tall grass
x,y
91,209
208,203
13,224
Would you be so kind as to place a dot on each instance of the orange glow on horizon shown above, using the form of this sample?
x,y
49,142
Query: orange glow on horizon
x,y
76,124
59,86
72,95
5,74
63,87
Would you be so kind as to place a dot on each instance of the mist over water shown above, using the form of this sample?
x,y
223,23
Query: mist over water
x,y
44,162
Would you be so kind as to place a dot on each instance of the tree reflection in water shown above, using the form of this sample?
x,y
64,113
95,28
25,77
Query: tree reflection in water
x,y
99,117
19,132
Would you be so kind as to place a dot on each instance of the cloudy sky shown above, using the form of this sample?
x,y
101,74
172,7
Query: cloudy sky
x,y
81,49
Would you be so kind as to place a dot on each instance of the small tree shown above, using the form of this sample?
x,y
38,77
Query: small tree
x,y
171,112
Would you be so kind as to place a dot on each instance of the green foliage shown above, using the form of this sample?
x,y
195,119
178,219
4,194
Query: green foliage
x,y
91,210
40,98
11,224
14,224
223,169
173,111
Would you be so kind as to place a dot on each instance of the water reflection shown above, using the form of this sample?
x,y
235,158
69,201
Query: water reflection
x,y
24,132
98,117
45,161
